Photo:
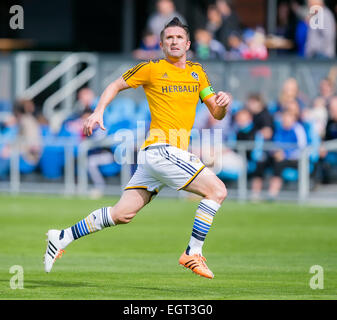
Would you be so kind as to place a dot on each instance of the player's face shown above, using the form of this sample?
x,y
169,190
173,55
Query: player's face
x,y
175,42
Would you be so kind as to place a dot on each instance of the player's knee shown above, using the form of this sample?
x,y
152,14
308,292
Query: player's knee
x,y
219,193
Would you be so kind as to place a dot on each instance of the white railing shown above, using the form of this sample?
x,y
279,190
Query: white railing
x,y
69,186
66,69
57,117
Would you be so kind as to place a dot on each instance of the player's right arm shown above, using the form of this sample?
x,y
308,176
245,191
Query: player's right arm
x,y
134,77
107,96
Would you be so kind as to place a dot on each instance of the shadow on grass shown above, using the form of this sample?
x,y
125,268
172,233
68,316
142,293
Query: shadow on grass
x,y
35,284
164,289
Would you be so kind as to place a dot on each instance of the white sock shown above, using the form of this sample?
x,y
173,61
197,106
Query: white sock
x,y
95,221
202,223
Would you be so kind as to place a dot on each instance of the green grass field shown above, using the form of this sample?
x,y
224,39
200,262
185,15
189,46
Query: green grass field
x,y
256,251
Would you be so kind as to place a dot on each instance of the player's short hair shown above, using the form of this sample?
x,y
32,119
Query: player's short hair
x,y
175,22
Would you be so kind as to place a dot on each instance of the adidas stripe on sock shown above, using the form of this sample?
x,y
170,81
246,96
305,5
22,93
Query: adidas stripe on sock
x,y
95,221
202,223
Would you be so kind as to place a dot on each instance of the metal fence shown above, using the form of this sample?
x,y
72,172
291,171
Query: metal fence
x,y
76,182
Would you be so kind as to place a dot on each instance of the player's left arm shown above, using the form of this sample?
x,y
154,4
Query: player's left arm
x,y
218,104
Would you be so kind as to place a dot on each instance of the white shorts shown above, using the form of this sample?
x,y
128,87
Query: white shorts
x,y
160,165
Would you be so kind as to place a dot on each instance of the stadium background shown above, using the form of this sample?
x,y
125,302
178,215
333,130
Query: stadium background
x,y
263,251
92,45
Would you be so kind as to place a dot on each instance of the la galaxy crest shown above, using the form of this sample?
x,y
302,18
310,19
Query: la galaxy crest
x,y
195,75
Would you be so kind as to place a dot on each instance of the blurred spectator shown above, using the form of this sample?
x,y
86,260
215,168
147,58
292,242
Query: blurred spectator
x,y
331,127
236,46
290,131
294,107
244,128
317,115
289,92
165,12
326,90
263,124
301,30
204,120
214,22
149,47
97,158
327,159
332,76
8,133
244,125
86,99
86,102
292,27
256,48
73,127
206,47
285,21
230,21
321,42
232,163
30,145
262,119
335,13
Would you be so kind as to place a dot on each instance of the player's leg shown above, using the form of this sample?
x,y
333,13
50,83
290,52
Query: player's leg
x,y
131,201
182,170
129,204
214,192
126,208
208,186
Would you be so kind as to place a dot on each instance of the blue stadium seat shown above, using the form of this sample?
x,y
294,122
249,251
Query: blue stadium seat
x,y
4,168
52,161
53,156
25,166
120,109
142,112
109,170
331,158
5,106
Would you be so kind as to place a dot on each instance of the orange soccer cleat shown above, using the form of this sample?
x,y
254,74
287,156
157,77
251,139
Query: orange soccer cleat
x,y
196,263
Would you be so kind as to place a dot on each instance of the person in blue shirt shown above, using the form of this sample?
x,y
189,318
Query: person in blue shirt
x,y
292,132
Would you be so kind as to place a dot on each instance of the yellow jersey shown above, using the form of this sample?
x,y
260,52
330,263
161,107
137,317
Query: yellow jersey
x,y
172,94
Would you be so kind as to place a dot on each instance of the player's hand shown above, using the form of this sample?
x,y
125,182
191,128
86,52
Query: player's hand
x,y
91,122
223,99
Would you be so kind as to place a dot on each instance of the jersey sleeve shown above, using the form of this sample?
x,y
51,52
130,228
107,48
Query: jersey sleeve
x,y
205,89
139,75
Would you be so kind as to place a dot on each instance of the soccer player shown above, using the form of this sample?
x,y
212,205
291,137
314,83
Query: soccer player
x,y
173,87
